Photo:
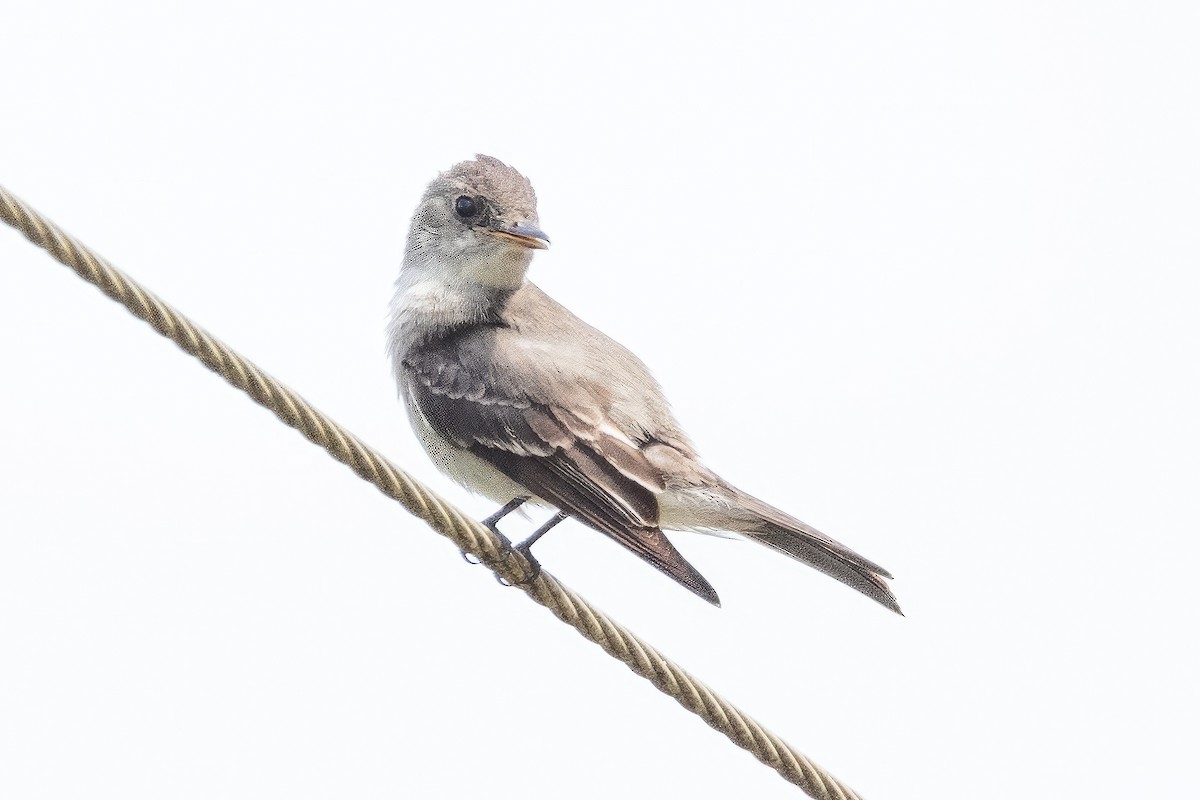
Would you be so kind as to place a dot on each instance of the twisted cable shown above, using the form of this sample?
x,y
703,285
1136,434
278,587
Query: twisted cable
x,y
467,534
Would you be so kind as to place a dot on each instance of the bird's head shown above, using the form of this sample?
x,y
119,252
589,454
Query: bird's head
x,y
477,222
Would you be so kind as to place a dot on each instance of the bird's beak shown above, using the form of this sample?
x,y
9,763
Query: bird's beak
x,y
525,235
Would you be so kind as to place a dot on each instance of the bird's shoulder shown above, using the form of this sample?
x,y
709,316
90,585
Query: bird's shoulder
x,y
529,350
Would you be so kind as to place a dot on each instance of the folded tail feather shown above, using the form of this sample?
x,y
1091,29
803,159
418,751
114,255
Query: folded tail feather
x,y
779,531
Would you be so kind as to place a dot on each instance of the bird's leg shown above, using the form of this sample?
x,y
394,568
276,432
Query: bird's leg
x,y
540,532
523,547
490,524
505,510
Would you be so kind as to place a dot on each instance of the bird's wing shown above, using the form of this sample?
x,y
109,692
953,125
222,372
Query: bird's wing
x,y
564,452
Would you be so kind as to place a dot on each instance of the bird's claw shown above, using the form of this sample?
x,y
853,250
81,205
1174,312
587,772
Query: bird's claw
x,y
535,566
506,547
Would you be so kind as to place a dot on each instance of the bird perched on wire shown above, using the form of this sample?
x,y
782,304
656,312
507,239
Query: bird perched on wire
x,y
516,398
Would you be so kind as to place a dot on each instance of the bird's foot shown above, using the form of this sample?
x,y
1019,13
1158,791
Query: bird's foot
x,y
535,566
506,547
525,548
491,523
533,569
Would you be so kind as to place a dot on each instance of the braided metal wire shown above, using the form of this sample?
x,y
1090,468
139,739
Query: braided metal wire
x,y
470,536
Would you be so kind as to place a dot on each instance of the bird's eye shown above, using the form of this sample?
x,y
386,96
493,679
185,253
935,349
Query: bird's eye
x,y
466,207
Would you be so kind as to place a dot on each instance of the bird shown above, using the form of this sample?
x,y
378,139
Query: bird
x,y
518,399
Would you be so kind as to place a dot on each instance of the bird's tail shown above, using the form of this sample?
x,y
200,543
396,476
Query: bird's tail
x,y
767,525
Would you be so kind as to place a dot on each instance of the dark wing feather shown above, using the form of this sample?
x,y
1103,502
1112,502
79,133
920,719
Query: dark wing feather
x,y
554,453
587,488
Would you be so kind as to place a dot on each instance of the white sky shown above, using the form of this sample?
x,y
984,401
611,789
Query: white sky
x,y
925,275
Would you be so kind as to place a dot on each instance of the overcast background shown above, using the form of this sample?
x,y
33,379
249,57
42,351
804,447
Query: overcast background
x,y
924,275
